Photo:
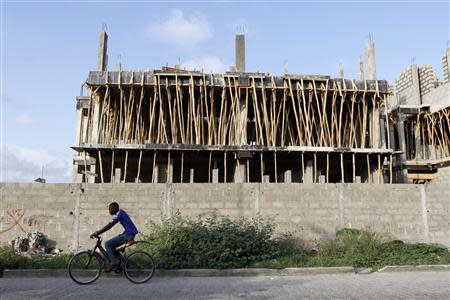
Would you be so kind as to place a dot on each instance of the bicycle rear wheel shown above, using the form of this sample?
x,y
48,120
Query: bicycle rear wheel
x,y
139,267
85,267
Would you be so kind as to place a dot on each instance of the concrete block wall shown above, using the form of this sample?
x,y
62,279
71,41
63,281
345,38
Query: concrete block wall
x,y
427,78
404,80
68,213
438,97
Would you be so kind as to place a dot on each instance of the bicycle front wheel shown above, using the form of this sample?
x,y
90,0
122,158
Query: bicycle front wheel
x,y
139,267
85,267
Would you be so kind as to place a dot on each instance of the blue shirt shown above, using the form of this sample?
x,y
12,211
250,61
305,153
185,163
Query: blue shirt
x,y
126,222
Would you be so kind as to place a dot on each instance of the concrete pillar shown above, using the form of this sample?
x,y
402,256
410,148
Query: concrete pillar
x,y
191,175
383,133
102,51
169,171
266,178
241,134
416,99
418,143
322,179
308,175
371,70
391,133
402,143
341,71
160,172
91,176
288,176
101,66
375,133
117,175
95,120
79,126
240,53
240,174
215,172
215,175
361,70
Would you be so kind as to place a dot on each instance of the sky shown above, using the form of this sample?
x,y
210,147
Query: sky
x,y
48,48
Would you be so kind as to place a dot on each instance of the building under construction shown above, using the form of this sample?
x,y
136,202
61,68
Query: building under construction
x,y
173,125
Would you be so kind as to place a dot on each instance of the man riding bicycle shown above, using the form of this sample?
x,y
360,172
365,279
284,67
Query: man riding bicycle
x,y
129,233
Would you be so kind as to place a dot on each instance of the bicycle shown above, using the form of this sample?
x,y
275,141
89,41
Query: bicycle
x,y
85,267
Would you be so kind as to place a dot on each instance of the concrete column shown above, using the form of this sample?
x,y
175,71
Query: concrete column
x,y
191,175
240,174
76,177
402,143
117,175
383,134
160,172
418,143
375,136
361,70
371,70
240,53
341,71
102,51
169,171
101,66
266,178
242,117
95,119
215,175
91,176
215,172
288,176
79,126
308,176
391,133
416,98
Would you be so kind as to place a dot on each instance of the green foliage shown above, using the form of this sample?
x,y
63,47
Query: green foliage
x,y
215,242
11,260
359,248
220,242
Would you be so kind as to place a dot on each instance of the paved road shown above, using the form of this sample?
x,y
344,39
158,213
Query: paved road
x,y
408,285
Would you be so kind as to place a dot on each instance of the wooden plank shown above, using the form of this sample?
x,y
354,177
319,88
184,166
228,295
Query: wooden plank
x,y
139,167
101,165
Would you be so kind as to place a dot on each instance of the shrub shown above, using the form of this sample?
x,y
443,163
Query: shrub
x,y
215,242
12,260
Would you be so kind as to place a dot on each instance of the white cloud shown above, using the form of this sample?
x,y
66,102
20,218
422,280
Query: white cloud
x,y
24,119
209,64
180,30
20,164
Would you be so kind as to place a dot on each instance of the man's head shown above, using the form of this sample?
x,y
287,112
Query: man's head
x,y
113,208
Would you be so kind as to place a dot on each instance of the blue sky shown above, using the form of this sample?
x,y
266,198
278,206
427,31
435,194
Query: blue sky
x,y
49,47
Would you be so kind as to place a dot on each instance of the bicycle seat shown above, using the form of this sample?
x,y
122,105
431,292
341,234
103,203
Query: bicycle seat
x,y
130,242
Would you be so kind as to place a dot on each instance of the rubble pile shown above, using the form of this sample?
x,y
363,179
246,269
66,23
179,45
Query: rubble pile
x,y
34,243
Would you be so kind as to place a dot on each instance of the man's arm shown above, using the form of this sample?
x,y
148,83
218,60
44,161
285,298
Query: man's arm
x,y
104,229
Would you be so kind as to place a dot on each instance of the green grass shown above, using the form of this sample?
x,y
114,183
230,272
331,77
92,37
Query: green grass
x,y
219,242
358,248
11,260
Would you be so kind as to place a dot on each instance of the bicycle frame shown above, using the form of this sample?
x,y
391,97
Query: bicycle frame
x,y
104,255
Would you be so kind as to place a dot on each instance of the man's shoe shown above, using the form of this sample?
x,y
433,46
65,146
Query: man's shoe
x,y
116,269
112,268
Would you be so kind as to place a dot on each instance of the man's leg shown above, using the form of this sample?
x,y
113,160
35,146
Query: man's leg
x,y
111,244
